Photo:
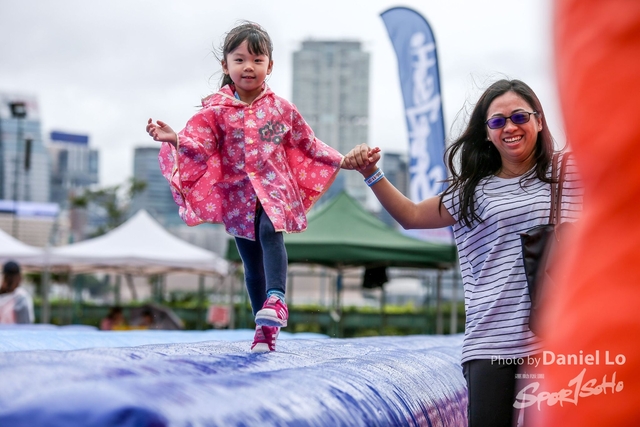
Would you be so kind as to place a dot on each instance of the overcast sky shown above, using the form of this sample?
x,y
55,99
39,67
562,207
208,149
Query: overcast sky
x,y
103,68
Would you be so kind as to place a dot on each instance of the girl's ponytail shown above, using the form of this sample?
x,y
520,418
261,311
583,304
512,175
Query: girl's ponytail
x,y
226,80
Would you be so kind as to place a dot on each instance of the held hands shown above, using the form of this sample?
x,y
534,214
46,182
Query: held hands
x,y
362,158
160,131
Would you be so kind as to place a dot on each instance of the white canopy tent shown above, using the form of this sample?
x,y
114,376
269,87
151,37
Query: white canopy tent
x,y
15,250
140,246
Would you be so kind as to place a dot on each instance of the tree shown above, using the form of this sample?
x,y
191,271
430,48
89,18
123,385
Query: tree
x,y
114,201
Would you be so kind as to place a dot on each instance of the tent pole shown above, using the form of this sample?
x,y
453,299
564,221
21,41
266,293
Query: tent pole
x,y
73,280
232,310
454,306
339,285
132,288
289,287
383,303
199,322
118,297
323,284
163,288
439,326
152,287
332,294
246,314
45,314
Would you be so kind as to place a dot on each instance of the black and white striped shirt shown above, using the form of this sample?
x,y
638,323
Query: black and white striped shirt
x,y
496,297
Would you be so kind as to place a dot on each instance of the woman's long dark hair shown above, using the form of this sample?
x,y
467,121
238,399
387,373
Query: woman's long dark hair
x,y
258,43
471,157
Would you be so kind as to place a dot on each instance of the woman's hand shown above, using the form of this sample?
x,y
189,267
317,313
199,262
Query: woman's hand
x,y
362,158
160,131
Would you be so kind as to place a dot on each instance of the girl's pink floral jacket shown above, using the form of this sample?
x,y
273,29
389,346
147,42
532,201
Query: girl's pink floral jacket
x,y
231,154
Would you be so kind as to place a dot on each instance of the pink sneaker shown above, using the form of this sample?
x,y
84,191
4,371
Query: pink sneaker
x,y
274,313
265,339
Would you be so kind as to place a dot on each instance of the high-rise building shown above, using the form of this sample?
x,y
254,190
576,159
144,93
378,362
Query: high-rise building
x,y
331,91
74,169
74,166
156,197
24,162
25,211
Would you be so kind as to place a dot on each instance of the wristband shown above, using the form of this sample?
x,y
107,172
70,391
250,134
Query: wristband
x,y
377,176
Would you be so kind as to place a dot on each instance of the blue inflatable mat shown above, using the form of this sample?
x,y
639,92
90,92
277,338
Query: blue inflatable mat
x,y
75,337
381,381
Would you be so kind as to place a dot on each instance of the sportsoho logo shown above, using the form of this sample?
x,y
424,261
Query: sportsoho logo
x,y
578,387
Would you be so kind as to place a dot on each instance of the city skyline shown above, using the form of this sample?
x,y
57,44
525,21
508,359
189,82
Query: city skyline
x,y
104,70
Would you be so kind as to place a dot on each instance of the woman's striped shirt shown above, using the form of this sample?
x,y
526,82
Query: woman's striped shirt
x,y
495,287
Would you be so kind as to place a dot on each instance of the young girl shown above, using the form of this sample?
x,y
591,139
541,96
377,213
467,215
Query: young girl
x,y
249,160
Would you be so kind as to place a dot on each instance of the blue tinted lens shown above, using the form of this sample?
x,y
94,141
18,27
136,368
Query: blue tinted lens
x,y
496,122
520,118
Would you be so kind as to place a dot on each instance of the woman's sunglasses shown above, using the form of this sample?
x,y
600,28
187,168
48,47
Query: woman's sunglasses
x,y
518,118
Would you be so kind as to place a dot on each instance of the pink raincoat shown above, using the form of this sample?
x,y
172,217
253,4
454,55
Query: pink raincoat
x,y
232,154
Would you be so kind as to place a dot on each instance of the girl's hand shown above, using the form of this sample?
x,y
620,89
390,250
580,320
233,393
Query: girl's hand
x,y
362,158
160,131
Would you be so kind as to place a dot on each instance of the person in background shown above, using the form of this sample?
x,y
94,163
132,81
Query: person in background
x,y
500,187
249,160
16,304
114,321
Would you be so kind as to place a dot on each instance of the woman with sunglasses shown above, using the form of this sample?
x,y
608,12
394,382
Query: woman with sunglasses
x,y
499,187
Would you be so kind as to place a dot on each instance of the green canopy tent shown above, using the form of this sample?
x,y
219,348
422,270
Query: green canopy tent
x,y
341,233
